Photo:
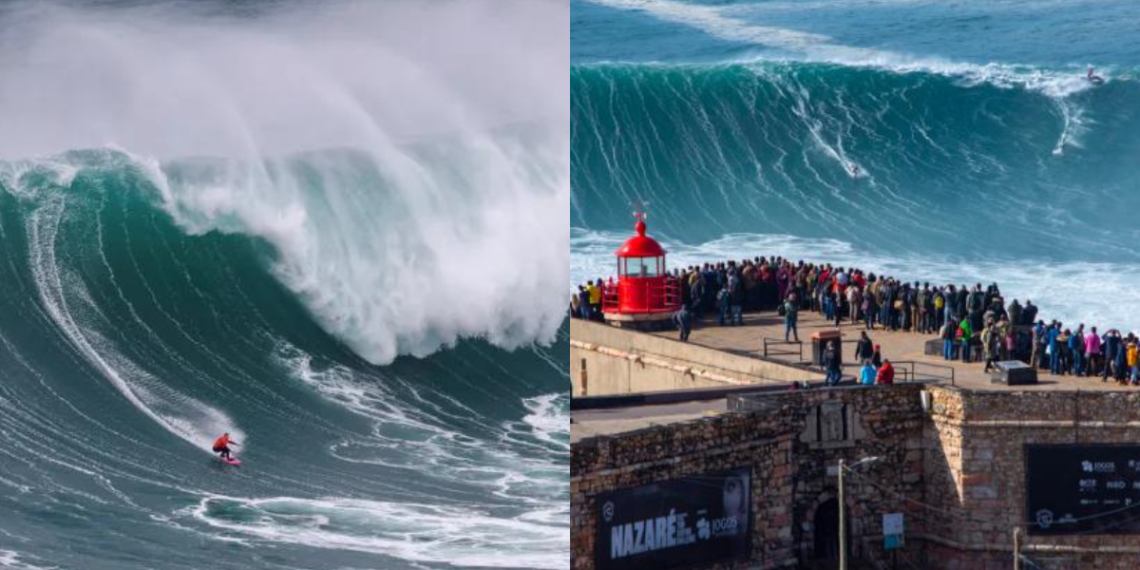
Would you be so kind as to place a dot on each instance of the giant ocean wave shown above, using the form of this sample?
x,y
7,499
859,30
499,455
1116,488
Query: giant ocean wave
x,y
212,220
950,160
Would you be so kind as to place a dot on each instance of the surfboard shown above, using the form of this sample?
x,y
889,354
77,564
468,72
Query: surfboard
x,y
232,461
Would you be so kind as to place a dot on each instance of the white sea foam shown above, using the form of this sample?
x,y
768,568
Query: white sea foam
x,y
720,21
445,219
522,461
12,560
1096,294
1075,125
464,535
550,419
417,437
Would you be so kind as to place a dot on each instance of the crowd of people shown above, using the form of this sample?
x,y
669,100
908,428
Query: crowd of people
x,y
587,302
975,323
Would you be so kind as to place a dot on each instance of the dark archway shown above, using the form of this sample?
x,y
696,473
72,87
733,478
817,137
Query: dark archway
x,y
827,532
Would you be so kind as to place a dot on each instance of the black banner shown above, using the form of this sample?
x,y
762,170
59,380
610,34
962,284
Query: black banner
x,y
1083,489
693,520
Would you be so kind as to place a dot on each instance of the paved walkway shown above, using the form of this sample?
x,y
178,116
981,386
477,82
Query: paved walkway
x,y
897,346
590,423
748,339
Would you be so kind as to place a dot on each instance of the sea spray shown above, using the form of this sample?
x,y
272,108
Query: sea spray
x,y
444,175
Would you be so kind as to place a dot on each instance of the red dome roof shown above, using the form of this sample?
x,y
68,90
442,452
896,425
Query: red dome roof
x,y
640,245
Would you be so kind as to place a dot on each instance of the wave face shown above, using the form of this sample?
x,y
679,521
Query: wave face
x,y
129,343
217,218
958,163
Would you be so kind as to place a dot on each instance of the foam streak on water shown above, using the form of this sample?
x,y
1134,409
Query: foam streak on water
x,y
524,464
12,560
64,297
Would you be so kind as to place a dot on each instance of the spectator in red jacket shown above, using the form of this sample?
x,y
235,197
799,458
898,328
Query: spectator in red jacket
x,y
886,373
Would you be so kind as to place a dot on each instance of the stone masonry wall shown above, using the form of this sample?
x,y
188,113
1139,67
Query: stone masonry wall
x,y
668,452
957,472
975,463
789,472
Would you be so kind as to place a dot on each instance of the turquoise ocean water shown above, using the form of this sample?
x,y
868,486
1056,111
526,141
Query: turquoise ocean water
x,y
983,152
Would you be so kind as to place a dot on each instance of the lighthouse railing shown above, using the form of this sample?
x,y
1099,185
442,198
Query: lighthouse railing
x,y
654,295
672,294
611,298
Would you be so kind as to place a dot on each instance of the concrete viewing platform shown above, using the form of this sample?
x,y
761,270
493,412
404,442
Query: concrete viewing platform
x,y
898,347
663,381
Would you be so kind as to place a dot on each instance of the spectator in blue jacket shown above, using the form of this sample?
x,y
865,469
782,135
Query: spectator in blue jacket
x,y
868,373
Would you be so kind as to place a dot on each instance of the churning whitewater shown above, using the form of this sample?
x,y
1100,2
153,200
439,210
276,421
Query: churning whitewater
x,y
336,232
931,140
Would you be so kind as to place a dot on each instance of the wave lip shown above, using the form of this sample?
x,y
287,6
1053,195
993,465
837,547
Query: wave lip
x,y
718,22
438,176
380,261
378,264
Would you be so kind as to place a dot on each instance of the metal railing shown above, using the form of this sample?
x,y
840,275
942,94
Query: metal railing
x,y
931,371
902,374
672,293
770,342
905,370
610,298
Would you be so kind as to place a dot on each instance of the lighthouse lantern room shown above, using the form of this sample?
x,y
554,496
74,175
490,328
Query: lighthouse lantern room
x,y
644,293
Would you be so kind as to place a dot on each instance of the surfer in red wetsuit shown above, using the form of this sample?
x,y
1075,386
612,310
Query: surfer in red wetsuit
x,y
222,445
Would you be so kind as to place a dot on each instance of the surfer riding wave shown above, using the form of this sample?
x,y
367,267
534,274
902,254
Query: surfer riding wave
x,y
222,446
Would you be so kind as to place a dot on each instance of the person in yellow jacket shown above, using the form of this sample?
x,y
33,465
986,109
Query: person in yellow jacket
x,y
595,293
1133,361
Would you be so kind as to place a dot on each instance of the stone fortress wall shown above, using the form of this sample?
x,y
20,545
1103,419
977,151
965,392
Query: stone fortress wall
x,y
955,468
975,463
788,454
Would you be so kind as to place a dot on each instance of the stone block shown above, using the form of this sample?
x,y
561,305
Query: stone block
x,y
981,492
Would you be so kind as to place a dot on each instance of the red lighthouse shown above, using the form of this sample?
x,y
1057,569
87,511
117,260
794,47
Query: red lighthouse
x,y
644,294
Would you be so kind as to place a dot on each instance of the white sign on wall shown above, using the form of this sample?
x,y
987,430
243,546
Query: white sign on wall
x,y
892,530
